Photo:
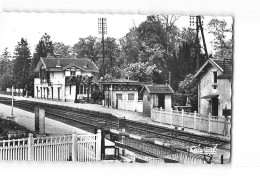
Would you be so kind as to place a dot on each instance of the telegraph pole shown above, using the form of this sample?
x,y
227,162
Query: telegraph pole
x,y
102,29
12,112
199,27
197,44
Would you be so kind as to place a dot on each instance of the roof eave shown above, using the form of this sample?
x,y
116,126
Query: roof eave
x,y
38,66
205,64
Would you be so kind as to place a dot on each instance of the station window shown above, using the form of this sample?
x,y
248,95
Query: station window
x,y
72,73
215,80
215,77
131,96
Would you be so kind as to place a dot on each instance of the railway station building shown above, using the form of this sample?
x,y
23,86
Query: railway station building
x,y
53,83
215,86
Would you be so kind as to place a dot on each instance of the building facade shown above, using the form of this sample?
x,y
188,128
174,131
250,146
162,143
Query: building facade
x,y
54,78
119,89
215,86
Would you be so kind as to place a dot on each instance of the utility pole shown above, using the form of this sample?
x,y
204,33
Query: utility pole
x,y
12,112
170,76
102,29
197,44
199,27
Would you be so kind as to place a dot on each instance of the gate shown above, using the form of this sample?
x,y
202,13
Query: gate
x,y
82,148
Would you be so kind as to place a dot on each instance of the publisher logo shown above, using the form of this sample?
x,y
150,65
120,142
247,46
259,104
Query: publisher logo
x,y
203,150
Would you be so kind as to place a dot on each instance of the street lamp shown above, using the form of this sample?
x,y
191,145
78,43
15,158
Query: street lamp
x,y
102,29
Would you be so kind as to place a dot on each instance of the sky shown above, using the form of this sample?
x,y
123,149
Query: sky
x,y
69,27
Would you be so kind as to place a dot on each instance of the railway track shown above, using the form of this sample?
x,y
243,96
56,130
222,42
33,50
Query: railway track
x,y
89,120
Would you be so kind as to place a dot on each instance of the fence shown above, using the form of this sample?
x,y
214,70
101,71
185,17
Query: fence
x,y
130,105
17,92
82,148
206,123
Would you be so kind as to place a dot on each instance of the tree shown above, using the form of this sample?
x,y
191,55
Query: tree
x,y
141,71
158,41
112,60
63,50
88,80
130,45
44,48
80,80
221,44
6,70
189,86
22,59
87,47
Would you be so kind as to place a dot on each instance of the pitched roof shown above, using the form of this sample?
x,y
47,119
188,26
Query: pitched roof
x,y
158,89
82,63
223,65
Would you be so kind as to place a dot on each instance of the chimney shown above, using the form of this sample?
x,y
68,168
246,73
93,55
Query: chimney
x,y
166,83
58,59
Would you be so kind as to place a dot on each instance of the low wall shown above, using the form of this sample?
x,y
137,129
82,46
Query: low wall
x,y
130,105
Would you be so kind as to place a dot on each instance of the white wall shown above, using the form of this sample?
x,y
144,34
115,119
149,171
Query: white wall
x,y
78,72
67,72
168,101
58,81
223,90
58,74
70,96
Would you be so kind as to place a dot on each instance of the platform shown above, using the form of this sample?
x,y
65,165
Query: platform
x,y
130,115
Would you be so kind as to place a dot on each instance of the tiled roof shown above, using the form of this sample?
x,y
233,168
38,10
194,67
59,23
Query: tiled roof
x,y
83,63
156,89
223,65
226,65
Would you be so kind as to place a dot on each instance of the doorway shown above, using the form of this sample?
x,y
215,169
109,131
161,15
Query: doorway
x,y
214,107
52,93
118,97
58,94
41,92
161,98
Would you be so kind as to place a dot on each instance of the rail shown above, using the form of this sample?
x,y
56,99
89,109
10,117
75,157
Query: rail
x,y
158,148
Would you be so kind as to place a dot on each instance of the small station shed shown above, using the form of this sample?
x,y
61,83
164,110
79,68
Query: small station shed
x,y
156,96
120,89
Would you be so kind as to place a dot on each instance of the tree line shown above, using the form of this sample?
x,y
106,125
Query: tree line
x,y
156,51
